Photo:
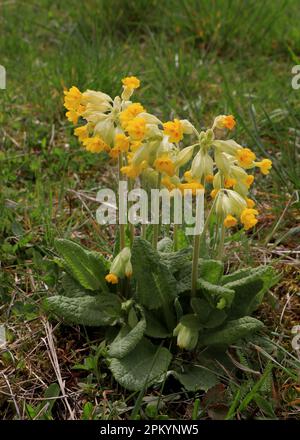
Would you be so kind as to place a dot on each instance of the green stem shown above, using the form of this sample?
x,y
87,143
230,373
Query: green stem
x,y
144,231
131,226
196,249
121,226
175,237
220,252
156,228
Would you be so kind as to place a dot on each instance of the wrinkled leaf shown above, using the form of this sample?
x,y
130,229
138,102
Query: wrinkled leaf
x,y
231,332
86,310
195,378
156,286
88,268
142,367
127,340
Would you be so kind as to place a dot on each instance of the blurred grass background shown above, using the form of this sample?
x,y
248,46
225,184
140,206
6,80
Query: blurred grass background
x,y
196,59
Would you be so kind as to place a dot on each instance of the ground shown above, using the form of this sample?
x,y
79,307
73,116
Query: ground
x,y
195,59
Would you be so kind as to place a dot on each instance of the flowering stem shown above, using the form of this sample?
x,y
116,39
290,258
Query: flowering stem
x,y
222,234
156,228
221,242
121,226
144,230
175,237
196,249
131,226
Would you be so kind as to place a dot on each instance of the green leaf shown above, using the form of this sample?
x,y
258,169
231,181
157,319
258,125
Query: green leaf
x,y
127,340
182,239
142,367
232,331
202,308
246,289
86,310
215,319
165,245
175,260
72,288
155,325
191,321
210,270
235,276
156,286
208,316
88,268
213,292
51,393
195,378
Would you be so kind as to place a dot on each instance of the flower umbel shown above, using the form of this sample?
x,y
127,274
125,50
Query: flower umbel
x,y
174,130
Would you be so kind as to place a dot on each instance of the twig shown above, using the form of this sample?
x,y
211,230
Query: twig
x,y
49,342
12,395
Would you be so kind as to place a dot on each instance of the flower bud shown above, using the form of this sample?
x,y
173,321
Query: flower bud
x,y
150,119
106,130
187,127
237,202
140,155
121,262
184,156
222,162
202,165
187,337
153,131
223,205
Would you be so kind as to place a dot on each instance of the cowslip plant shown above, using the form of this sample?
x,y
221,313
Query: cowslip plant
x,y
158,290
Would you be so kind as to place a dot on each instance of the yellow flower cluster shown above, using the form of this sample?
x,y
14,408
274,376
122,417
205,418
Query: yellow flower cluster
x,y
148,148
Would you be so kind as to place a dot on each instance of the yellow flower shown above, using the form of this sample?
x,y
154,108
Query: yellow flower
x,y
136,128
248,218
190,185
230,221
130,112
188,176
115,152
225,121
249,180
174,130
229,122
112,278
229,182
164,164
214,192
82,132
265,165
135,145
122,142
73,98
72,116
209,178
245,157
95,144
132,82
133,171
166,181
250,203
